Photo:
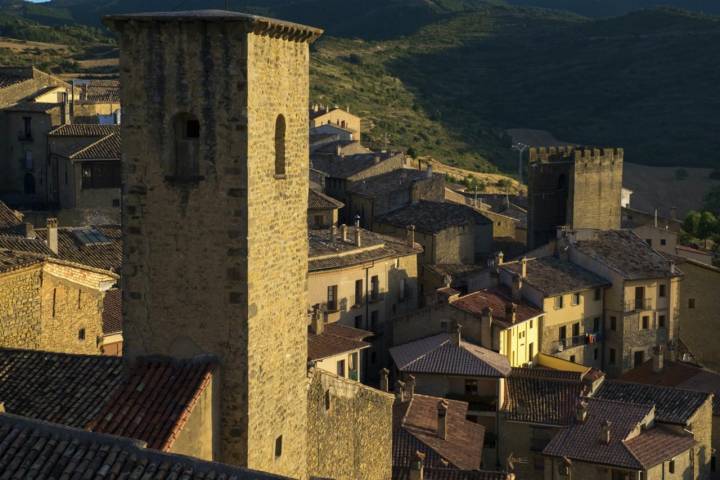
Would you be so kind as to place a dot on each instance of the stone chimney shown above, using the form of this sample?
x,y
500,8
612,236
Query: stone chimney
x,y
400,391
385,380
605,435
442,429
357,221
417,468
658,359
581,411
358,237
410,387
28,231
523,267
338,150
344,232
333,233
517,287
52,234
457,335
317,322
411,235
429,172
511,312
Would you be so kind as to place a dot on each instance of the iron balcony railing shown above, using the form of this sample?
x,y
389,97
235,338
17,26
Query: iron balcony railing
x,y
576,341
638,304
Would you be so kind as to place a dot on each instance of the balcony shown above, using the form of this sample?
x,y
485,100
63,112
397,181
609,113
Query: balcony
x,y
638,304
576,341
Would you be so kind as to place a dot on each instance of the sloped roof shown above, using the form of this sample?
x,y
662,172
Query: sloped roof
x,y
440,354
402,178
84,130
553,276
35,449
99,393
672,405
9,218
319,201
106,148
415,428
659,444
348,165
496,299
12,260
582,441
112,311
107,256
336,339
403,473
433,217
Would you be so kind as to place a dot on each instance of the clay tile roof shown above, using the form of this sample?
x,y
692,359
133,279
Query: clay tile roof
x,y
155,400
348,165
658,445
22,244
403,473
440,355
415,429
672,405
553,276
627,254
385,183
112,311
9,218
534,398
107,148
84,130
32,107
336,339
474,304
13,260
582,441
546,373
10,80
433,217
35,449
320,201
107,256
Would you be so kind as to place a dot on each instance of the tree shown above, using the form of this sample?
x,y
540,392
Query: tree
x,y
692,223
712,200
411,152
707,226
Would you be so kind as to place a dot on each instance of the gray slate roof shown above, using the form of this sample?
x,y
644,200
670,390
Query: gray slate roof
x,y
402,178
433,217
349,165
627,254
672,405
553,276
440,355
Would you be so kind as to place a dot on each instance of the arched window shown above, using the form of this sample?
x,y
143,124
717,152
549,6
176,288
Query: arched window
x,y
29,184
185,166
280,146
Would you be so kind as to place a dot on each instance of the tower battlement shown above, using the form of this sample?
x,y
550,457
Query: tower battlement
x,y
574,154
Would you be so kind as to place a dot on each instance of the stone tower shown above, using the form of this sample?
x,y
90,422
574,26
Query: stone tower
x,y
577,187
215,175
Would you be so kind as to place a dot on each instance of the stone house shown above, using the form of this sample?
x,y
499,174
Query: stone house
x,y
449,233
571,299
336,348
322,210
321,115
381,194
361,279
96,101
447,366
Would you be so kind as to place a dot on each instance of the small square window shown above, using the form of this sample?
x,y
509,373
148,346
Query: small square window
x,y
663,241
612,356
81,334
192,129
645,322
661,321
661,290
576,299
613,323
572,358
278,447
691,303
471,386
598,294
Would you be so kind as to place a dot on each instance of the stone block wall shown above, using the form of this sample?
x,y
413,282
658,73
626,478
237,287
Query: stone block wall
x,y
349,429
20,308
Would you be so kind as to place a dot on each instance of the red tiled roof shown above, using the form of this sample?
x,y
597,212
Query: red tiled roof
x,y
659,444
112,311
403,473
11,260
155,401
319,201
540,400
474,304
8,217
106,148
106,256
336,339
415,429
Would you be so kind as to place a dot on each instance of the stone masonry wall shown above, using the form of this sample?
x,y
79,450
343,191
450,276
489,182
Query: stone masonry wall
x,y
349,429
20,312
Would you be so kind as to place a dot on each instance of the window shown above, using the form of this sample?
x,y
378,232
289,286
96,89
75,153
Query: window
x,y
332,300
612,356
79,300
572,358
638,358
576,299
598,294
596,324
29,184
663,242
358,322
358,292
563,333
576,329
53,301
28,161
691,303
671,466
661,321
613,323
645,322
318,220
278,447
374,320
471,387
341,368
27,128
639,297
100,175
595,353
280,146
81,334
661,290
375,287
531,351
186,164
648,241
531,323
558,302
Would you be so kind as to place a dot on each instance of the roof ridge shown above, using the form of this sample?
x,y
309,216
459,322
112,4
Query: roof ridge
x,y
102,139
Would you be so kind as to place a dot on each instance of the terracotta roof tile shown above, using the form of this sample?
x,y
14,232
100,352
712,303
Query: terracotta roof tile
x,y
107,256
320,201
9,218
403,473
112,311
13,260
415,429
441,355
106,148
84,130
541,399
658,445
496,299
553,276
336,339
433,217
34,449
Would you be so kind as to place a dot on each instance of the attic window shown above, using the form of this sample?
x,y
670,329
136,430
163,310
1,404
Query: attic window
x,y
89,236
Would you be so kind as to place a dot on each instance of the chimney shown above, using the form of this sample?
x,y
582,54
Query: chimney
x,y
523,267
333,233
400,391
317,322
673,213
338,150
429,172
605,432
410,387
457,336
411,235
358,237
385,380
344,232
656,218
442,419
28,231
499,258
487,315
581,411
511,312
517,288
417,468
658,359
52,234
357,221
